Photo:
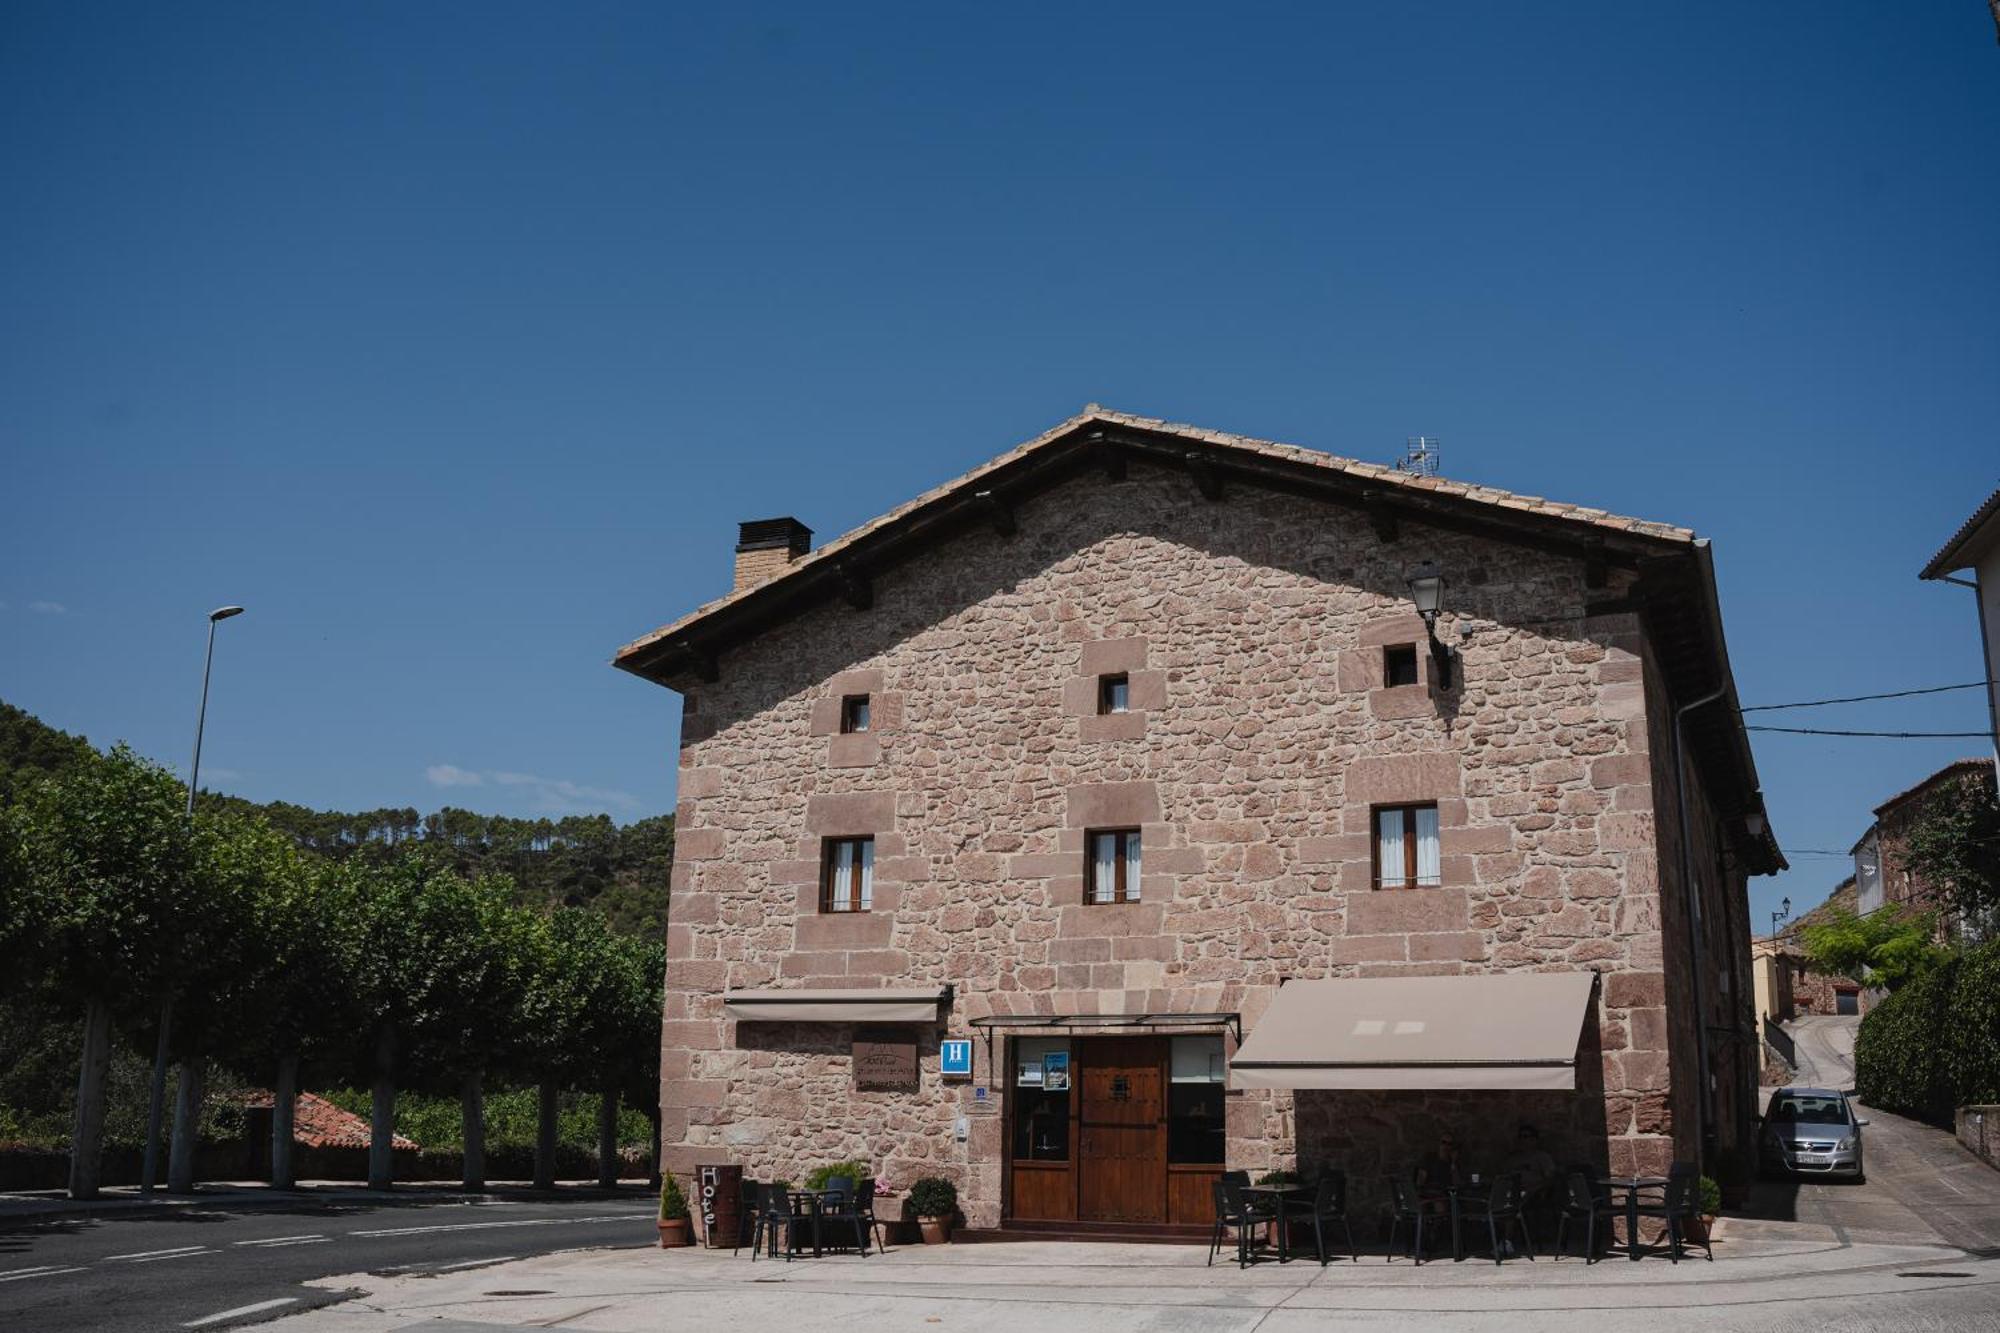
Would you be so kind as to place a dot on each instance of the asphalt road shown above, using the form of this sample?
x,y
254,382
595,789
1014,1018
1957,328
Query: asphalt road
x,y
1921,1184
225,1266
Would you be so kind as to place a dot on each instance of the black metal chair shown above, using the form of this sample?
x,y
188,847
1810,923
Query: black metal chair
x,y
773,1214
1677,1203
1585,1201
1405,1206
1235,1209
864,1204
1325,1205
1502,1205
839,1212
1239,1177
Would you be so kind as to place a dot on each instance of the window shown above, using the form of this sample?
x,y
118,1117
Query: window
x,y
1399,664
847,881
1406,847
1114,693
1041,1099
1194,1102
1111,867
853,714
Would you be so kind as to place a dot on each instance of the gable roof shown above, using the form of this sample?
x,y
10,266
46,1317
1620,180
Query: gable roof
x,y
1957,552
1675,590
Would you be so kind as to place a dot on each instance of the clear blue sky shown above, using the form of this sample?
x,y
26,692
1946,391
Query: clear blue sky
x,y
453,339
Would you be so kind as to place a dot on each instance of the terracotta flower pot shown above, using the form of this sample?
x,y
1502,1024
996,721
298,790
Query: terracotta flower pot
x,y
673,1234
936,1230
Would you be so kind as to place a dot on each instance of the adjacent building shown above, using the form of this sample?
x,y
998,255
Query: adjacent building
x,y
1883,874
1152,800
1976,547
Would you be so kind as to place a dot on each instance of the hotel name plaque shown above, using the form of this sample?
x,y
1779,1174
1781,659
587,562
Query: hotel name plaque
x,y
885,1060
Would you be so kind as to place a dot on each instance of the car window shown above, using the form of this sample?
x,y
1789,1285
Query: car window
x,y
1809,1110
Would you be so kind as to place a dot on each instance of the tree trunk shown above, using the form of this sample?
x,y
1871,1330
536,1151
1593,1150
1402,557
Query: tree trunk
x,y
472,1114
149,1172
86,1140
545,1138
607,1141
190,1076
284,1109
382,1118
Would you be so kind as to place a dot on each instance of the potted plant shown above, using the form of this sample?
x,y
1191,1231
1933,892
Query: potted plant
x,y
817,1178
1300,1231
674,1216
1707,1203
934,1199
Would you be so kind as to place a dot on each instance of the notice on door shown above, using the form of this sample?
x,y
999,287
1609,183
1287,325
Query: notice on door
x,y
885,1061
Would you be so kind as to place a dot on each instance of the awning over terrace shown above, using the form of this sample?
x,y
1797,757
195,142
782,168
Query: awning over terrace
x,y
836,1006
1509,1031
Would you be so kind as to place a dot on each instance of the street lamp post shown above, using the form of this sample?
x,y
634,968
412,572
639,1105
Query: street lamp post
x,y
1784,910
149,1172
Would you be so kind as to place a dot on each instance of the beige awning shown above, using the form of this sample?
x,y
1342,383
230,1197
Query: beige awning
x,y
836,1006
1513,1030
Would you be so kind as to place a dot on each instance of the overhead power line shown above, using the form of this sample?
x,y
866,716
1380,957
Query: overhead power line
x,y
1869,698
1889,735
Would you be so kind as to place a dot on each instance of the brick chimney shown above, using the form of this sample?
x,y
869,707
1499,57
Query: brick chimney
x,y
764,546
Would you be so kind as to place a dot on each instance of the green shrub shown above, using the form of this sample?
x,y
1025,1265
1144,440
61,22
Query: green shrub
x,y
1934,1044
933,1196
1278,1178
673,1204
857,1172
1710,1202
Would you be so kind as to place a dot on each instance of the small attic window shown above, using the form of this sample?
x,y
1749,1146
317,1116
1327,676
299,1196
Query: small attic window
x,y
853,714
1399,664
1114,693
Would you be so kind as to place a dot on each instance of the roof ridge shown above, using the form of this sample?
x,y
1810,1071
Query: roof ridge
x,y
1093,413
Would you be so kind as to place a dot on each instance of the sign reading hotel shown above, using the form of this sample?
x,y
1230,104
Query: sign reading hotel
x,y
955,1058
885,1062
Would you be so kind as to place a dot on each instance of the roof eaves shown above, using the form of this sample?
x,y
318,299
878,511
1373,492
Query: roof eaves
x,y
1947,558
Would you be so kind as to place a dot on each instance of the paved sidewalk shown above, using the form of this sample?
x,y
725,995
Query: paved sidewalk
x,y
1765,1276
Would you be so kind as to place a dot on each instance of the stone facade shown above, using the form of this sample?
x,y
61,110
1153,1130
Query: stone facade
x,y
1260,737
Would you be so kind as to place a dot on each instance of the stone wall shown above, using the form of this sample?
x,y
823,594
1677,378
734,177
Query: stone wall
x,y
1252,630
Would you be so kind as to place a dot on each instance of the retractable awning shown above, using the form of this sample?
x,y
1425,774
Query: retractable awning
x,y
1509,1031
836,1006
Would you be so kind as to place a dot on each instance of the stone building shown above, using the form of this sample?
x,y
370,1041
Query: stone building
x,y
1883,873
1126,767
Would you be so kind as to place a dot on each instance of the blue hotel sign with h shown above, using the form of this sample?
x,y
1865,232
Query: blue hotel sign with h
x,y
955,1058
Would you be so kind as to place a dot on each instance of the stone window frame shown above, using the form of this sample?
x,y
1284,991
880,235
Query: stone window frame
x,y
1409,880
1123,894
827,717
1082,696
830,847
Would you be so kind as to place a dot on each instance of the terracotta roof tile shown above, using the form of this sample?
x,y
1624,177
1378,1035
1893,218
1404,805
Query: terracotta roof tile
x,y
318,1123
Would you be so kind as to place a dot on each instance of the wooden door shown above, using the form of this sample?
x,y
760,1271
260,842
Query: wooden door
x,y
1122,1130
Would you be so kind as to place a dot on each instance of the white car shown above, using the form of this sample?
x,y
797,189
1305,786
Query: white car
x,y
1811,1131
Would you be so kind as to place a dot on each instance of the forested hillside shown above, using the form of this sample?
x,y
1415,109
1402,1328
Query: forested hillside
x,y
576,861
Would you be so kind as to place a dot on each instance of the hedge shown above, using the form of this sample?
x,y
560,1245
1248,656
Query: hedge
x,y
1934,1044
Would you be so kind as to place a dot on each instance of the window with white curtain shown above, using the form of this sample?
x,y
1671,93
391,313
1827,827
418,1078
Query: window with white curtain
x,y
847,882
1406,847
1111,866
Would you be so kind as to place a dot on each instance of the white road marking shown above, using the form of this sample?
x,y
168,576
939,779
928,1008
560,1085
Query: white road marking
x,y
184,1254
22,1274
519,1222
474,1263
271,1241
155,1254
241,1310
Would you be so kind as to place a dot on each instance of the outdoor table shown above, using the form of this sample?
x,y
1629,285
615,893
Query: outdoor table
x,y
1632,1185
809,1201
1283,1223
